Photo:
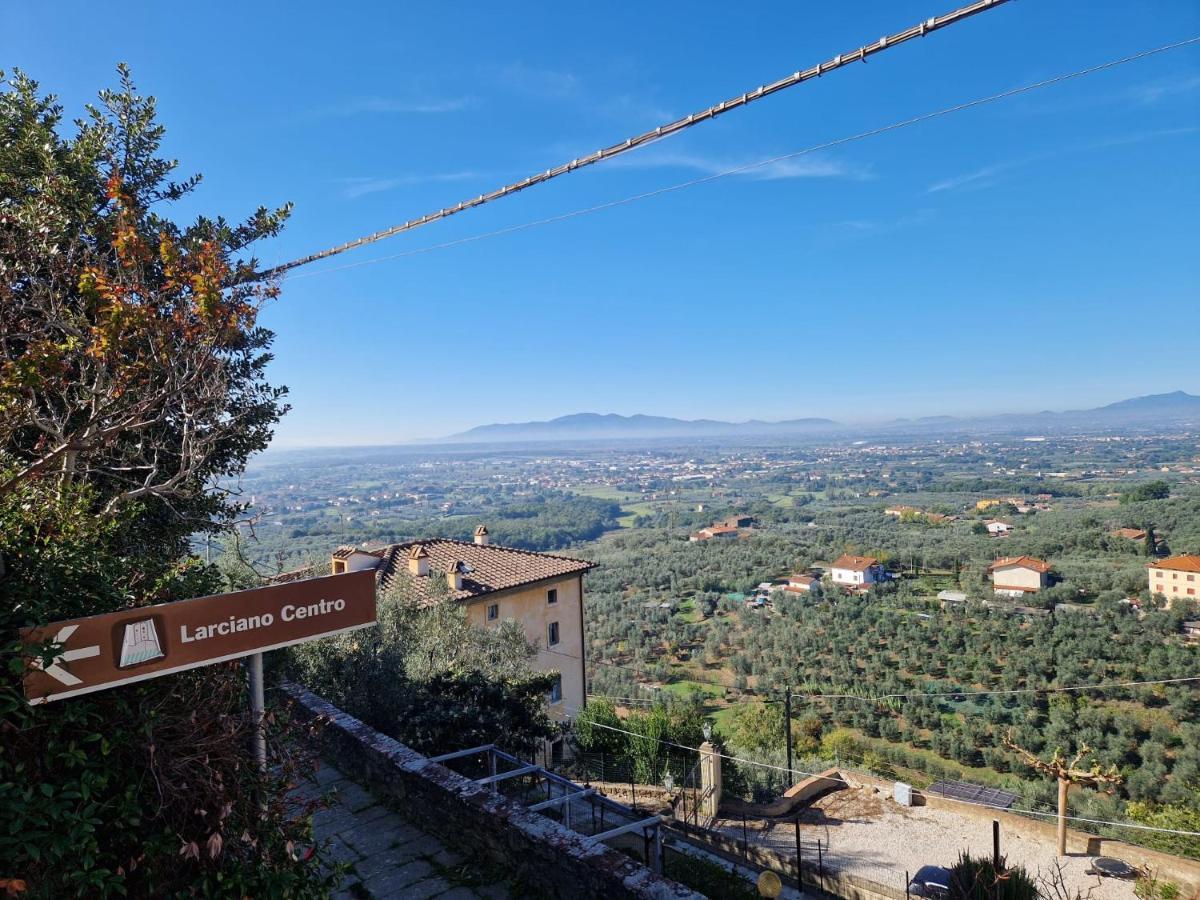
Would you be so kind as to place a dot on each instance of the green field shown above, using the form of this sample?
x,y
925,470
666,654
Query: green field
x,y
684,686
632,511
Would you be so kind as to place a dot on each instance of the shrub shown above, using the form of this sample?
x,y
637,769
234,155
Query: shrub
x,y
976,878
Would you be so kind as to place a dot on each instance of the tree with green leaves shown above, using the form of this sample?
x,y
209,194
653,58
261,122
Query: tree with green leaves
x,y
132,378
430,679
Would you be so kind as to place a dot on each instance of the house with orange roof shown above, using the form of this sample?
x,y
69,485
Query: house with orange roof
x,y
1178,576
1130,534
800,584
714,531
856,572
542,592
1015,576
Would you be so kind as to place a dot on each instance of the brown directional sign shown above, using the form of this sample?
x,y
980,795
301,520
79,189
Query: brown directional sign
x,y
119,648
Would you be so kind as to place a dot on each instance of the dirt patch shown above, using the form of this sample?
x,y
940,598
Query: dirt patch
x,y
865,833
847,805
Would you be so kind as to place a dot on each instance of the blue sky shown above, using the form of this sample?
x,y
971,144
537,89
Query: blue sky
x,y
1021,256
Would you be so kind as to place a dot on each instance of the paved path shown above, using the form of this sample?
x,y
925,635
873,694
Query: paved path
x,y
388,855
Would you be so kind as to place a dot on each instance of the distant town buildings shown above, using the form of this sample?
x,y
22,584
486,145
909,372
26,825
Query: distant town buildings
x,y
1015,576
540,591
856,572
997,528
912,514
1178,576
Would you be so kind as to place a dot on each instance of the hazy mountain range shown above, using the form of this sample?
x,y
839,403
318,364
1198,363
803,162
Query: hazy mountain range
x,y
1156,409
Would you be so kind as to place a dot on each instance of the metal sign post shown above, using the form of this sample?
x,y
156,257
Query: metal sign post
x,y
258,710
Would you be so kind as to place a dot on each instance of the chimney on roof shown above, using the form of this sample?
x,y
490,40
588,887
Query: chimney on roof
x,y
454,576
481,535
418,561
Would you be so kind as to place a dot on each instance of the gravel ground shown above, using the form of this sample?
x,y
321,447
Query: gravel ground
x,y
869,835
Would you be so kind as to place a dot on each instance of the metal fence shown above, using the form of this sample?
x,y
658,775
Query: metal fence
x,y
583,809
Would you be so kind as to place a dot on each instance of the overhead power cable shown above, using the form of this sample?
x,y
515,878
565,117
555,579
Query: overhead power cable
x,y
748,167
842,59
794,771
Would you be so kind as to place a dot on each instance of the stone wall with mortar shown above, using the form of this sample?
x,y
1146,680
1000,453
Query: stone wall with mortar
x,y
469,817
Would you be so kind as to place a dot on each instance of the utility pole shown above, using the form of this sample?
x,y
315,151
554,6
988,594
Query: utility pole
x,y
787,731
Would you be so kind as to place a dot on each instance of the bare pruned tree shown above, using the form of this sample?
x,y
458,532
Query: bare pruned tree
x,y
1068,774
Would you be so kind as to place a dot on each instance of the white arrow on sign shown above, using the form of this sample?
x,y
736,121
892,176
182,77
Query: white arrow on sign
x,y
54,670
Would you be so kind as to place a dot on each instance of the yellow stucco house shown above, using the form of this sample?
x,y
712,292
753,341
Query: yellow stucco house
x,y
543,592
1015,576
1178,576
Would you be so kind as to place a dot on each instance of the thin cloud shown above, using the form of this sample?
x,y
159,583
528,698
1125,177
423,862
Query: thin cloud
x,y
637,110
397,106
809,166
986,176
353,188
1148,93
540,84
1153,92
1139,137
855,227
980,178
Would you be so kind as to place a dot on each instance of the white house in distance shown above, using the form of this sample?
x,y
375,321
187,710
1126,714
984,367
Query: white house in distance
x,y
800,584
1178,576
856,571
1015,576
996,528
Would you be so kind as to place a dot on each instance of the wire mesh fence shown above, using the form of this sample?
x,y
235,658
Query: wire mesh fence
x,y
653,772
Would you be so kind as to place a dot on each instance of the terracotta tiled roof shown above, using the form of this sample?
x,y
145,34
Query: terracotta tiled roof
x,y
294,575
485,568
1025,562
1134,534
1188,562
854,563
801,579
347,550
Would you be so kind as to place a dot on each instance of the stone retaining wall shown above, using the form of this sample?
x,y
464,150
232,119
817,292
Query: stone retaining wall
x,y
830,882
472,819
